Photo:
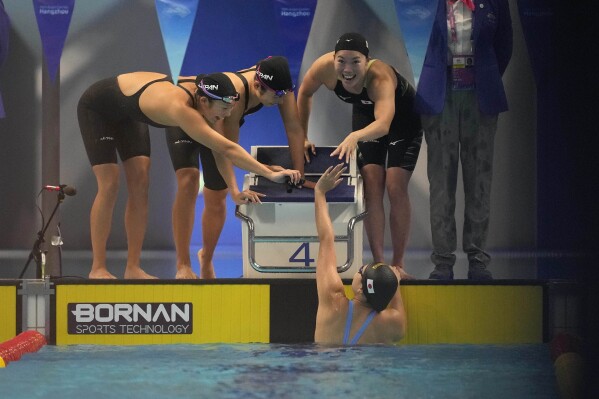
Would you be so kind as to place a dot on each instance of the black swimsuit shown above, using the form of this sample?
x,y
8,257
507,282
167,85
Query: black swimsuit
x,y
187,153
111,121
401,146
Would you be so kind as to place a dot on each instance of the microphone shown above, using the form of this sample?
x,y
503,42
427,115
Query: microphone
x,y
63,188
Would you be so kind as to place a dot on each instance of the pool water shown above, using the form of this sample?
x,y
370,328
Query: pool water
x,y
282,371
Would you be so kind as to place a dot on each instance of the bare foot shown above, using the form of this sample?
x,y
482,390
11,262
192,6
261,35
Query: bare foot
x,y
185,273
101,274
403,274
137,274
206,268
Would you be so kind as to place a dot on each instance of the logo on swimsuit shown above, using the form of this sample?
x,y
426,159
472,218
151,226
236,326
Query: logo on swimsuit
x,y
395,142
367,102
264,76
209,87
342,97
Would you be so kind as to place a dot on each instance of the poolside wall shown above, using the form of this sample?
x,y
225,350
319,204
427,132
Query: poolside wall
x,y
275,311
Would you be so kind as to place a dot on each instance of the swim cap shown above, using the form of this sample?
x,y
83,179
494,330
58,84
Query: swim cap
x,y
379,285
274,73
216,86
352,41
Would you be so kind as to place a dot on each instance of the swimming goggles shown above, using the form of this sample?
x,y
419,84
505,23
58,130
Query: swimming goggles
x,y
225,99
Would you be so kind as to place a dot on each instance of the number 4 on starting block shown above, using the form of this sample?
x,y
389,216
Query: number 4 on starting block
x,y
306,260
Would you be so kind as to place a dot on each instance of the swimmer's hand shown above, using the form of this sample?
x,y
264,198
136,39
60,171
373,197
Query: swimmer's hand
x,y
347,148
246,196
294,176
301,183
330,178
309,148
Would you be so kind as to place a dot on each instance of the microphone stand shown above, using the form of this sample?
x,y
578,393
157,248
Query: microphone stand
x,y
36,253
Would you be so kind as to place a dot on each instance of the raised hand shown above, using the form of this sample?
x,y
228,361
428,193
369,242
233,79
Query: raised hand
x,y
330,178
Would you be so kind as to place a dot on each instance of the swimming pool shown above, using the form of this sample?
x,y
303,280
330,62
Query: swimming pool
x,y
282,371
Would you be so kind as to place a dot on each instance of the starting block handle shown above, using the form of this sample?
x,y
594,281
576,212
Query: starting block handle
x,y
252,239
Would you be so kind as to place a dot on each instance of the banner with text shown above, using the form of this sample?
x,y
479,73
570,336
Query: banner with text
x,y
294,19
53,20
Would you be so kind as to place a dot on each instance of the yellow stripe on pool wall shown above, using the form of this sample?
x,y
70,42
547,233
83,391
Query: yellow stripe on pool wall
x,y
233,313
470,314
240,313
8,312
221,313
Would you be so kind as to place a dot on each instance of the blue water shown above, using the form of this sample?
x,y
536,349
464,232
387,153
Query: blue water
x,y
282,371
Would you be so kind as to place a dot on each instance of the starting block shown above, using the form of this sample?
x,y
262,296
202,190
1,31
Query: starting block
x,y
279,236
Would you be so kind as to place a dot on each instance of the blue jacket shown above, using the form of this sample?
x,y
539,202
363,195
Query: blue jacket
x,y
492,35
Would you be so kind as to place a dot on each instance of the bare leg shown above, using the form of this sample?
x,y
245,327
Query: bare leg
x,y
374,223
137,171
213,220
399,215
100,219
183,217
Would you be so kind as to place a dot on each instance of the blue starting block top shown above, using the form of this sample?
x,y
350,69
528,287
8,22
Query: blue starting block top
x,y
282,192
280,156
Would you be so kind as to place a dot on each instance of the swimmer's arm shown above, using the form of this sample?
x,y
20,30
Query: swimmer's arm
x,y
328,282
294,130
198,129
313,79
382,93
225,166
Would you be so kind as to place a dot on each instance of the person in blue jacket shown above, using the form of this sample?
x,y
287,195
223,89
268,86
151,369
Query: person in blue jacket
x,y
460,94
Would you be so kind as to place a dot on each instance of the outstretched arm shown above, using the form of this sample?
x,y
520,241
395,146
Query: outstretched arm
x,y
225,168
328,281
309,86
317,75
381,91
293,128
230,129
199,130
